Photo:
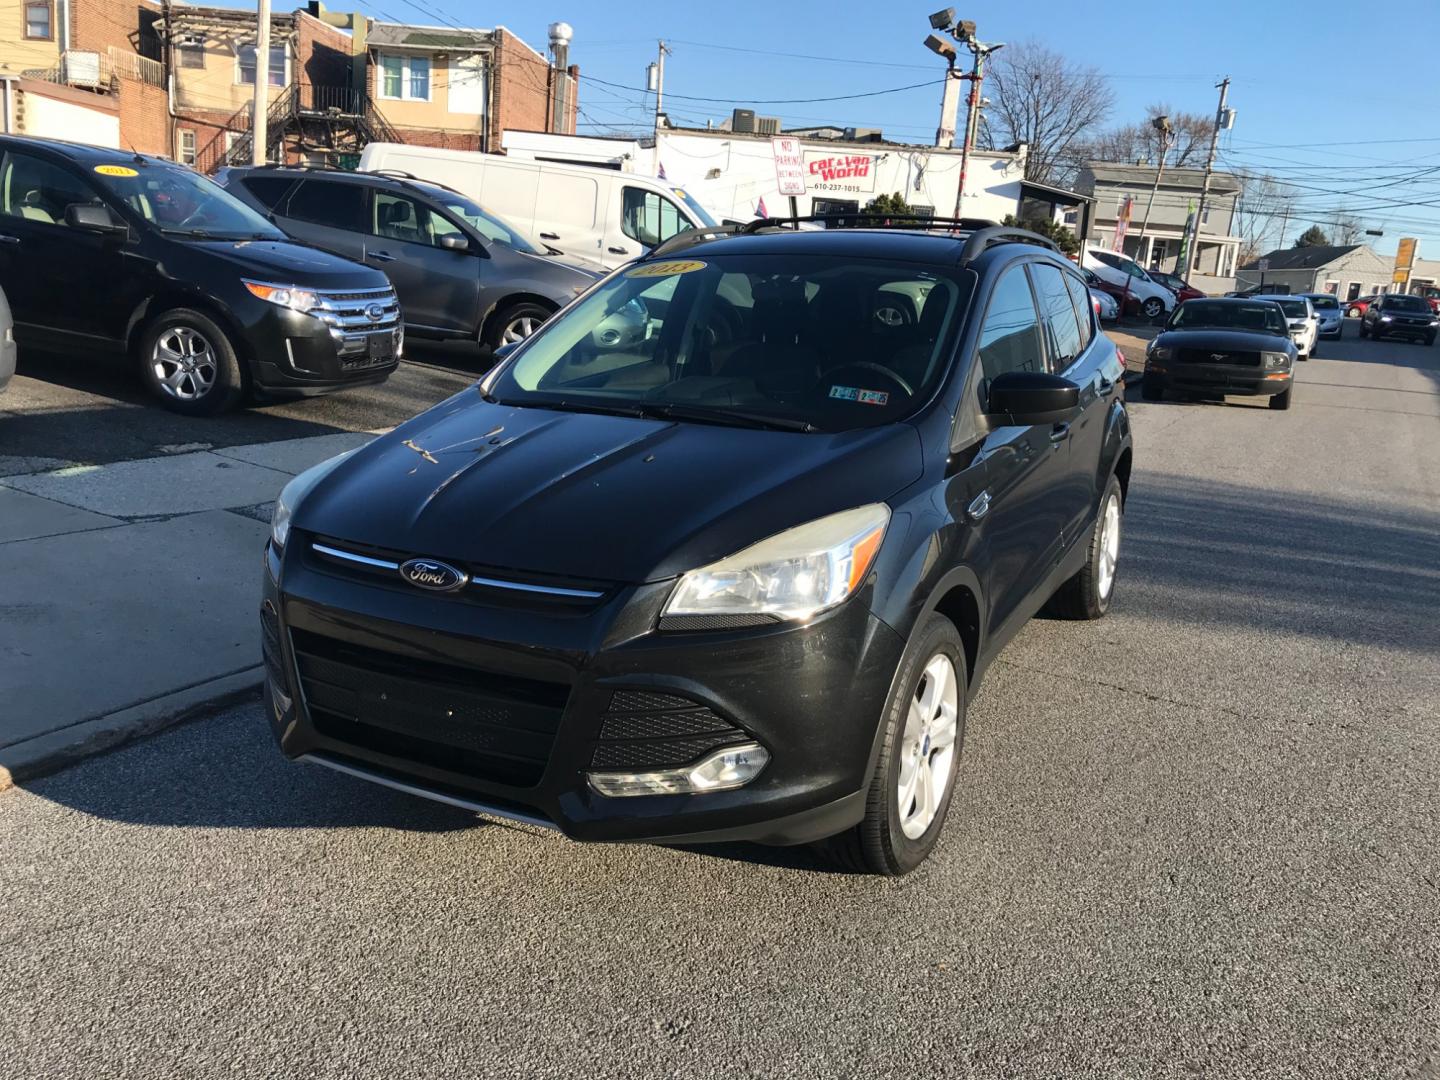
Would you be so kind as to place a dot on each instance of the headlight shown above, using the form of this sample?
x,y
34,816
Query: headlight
x,y
294,491
1160,352
1274,360
1384,318
290,296
792,575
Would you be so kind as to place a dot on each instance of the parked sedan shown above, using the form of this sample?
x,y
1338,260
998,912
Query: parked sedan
x,y
1355,309
1182,289
1155,299
7,342
1402,316
460,271
1328,311
1223,346
1117,293
1107,308
1304,326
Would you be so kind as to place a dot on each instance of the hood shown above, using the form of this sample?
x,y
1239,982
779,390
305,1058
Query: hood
x,y
545,274
594,497
286,263
590,267
1223,340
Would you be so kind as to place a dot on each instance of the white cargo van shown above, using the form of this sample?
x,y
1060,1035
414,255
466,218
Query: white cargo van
x,y
595,215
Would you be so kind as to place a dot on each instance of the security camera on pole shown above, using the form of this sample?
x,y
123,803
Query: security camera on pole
x,y
962,31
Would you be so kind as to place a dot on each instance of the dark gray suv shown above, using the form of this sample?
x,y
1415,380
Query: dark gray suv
x,y
460,271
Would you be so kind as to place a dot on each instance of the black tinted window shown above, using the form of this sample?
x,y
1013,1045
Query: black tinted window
x,y
1059,314
1010,335
1080,295
324,202
268,190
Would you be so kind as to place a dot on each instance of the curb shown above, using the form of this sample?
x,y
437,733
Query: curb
x,y
56,749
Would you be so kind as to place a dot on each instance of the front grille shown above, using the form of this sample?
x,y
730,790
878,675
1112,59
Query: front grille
x,y
270,645
353,323
650,729
1205,356
495,727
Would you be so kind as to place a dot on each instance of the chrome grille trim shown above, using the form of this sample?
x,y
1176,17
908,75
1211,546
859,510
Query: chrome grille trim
x,y
350,556
372,563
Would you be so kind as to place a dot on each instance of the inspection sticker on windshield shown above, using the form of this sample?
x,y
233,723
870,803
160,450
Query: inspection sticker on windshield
x,y
115,170
863,397
665,269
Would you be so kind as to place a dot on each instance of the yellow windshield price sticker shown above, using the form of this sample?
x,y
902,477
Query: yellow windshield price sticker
x,y
665,269
115,170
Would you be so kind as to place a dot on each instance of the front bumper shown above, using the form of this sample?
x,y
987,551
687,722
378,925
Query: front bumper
x,y
1416,330
296,355
504,705
1221,379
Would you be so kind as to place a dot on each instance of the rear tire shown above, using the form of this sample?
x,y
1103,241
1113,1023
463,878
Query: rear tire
x,y
189,363
1152,388
514,323
924,729
1281,401
1429,339
1087,595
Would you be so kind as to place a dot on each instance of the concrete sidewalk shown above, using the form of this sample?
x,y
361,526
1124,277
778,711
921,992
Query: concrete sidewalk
x,y
128,593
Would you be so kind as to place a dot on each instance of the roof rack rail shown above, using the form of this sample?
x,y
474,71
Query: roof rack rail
x,y
977,242
894,221
681,240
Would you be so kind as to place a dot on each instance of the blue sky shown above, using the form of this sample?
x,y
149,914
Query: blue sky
x,y
1302,76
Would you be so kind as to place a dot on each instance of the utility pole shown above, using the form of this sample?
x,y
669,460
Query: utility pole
x,y
1162,125
962,31
659,99
258,135
1284,224
1193,256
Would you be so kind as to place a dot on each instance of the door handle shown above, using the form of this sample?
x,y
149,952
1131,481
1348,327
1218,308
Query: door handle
x,y
381,256
619,251
6,238
1106,385
979,506
1059,433
549,236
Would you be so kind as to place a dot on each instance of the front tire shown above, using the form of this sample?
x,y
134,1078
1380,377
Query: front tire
x,y
1153,308
515,322
1363,332
189,363
1282,401
1087,594
914,779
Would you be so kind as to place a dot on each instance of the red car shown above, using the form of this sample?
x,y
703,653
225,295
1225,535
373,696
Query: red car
x,y
1182,289
1354,309
1128,302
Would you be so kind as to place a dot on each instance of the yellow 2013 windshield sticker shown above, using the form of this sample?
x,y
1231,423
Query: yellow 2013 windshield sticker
x,y
115,170
665,269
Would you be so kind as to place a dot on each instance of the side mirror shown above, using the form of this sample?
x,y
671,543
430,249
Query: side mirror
x,y
95,218
1032,397
454,242
505,350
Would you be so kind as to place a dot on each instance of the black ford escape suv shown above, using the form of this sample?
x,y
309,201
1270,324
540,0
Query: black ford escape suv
x,y
110,250
734,577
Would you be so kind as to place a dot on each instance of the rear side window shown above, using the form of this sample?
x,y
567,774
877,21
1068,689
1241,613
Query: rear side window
x,y
1080,297
1058,312
1010,334
268,190
323,202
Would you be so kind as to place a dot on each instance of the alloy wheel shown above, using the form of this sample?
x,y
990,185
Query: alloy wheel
x,y
184,363
519,329
1109,547
927,747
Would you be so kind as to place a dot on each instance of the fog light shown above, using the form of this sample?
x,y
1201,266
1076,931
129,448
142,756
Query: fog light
x,y
727,768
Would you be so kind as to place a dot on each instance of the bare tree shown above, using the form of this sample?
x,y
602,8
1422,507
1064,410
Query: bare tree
x,y
1189,140
1263,208
1345,228
1040,100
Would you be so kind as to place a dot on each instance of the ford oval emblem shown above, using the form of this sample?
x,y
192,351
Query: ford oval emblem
x,y
375,312
433,575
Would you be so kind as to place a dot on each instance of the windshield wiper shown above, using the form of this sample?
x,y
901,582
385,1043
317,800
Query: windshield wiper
x,y
733,417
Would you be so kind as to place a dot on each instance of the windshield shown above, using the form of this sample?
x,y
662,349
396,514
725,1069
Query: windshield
x,y
797,342
485,223
184,203
1260,316
1325,303
695,208
1294,309
1406,303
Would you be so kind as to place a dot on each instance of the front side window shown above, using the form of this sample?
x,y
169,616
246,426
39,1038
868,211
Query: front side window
x,y
1058,312
649,218
492,228
405,78
782,341
245,65
40,191
1010,334
324,202
40,20
398,217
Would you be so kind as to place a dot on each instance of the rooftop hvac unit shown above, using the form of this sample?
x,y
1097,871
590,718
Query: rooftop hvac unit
x,y
743,120
767,125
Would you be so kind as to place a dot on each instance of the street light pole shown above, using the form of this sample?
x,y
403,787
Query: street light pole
x,y
962,31
1162,125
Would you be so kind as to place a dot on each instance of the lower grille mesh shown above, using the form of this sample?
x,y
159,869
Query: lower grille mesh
x,y
650,729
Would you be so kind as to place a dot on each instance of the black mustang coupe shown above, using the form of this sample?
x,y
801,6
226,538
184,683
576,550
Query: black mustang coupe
x,y
1211,348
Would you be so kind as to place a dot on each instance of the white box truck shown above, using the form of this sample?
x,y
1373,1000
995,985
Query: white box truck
x,y
593,215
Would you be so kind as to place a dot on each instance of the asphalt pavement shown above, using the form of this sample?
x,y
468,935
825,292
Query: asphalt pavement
x,y
1200,838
